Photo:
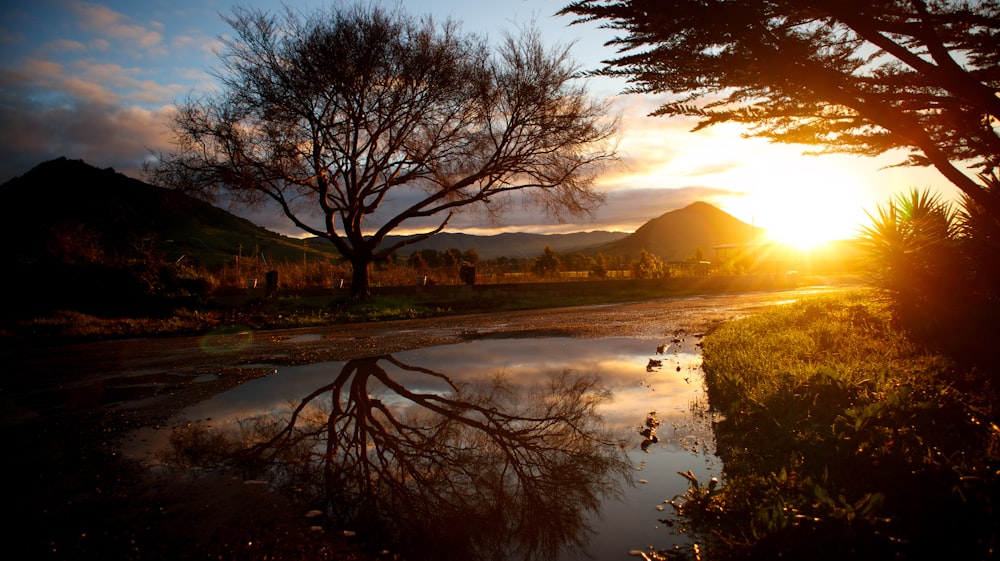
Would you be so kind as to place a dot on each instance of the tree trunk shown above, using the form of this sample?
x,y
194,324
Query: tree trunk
x,y
360,287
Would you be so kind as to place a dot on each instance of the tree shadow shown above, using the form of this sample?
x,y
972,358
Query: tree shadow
x,y
439,469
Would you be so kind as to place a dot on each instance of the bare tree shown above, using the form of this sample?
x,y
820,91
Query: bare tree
x,y
474,471
856,76
356,120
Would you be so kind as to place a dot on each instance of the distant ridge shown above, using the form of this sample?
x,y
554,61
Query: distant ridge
x,y
678,234
512,244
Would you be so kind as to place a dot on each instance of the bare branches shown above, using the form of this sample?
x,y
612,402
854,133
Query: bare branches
x,y
355,106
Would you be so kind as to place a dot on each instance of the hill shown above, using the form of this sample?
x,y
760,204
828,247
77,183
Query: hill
x,y
678,234
69,210
75,207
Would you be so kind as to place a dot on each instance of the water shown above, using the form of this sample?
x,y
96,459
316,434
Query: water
x,y
536,504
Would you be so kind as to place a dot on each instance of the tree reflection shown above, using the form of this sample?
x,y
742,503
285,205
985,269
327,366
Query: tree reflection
x,y
484,470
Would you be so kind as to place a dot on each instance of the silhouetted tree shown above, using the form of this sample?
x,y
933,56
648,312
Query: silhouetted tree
x,y
648,266
860,77
471,256
913,244
354,120
431,257
600,267
450,257
980,243
937,264
547,264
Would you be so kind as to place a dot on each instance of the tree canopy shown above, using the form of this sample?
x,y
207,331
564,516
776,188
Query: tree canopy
x,y
356,120
853,76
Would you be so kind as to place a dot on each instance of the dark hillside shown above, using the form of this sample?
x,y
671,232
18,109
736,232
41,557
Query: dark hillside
x,y
77,237
62,207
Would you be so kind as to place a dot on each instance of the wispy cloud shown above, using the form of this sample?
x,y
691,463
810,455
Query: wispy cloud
x,y
65,45
105,22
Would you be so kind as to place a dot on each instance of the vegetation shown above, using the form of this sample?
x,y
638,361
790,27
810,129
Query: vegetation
x,y
356,120
842,438
938,265
863,78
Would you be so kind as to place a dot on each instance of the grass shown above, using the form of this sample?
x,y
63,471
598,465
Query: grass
x,y
842,438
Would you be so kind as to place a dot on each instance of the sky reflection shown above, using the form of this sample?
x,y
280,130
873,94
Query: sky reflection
x,y
674,390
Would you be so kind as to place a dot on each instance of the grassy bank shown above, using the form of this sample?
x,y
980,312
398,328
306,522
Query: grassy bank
x,y
843,439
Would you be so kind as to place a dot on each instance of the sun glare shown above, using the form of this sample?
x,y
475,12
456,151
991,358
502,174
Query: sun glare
x,y
802,205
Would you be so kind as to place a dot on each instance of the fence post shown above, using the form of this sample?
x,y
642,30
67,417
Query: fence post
x,y
270,284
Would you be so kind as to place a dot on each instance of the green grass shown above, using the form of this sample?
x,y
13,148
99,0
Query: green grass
x,y
850,337
842,438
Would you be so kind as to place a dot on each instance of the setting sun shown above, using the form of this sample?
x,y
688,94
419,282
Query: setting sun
x,y
804,202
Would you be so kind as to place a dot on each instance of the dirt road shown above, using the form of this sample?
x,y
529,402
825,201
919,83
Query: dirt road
x,y
66,408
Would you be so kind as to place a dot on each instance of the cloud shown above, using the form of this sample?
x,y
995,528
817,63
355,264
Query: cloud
x,y
8,37
84,126
65,45
125,82
38,71
104,21
88,91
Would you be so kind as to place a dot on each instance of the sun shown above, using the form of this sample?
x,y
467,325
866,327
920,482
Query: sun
x,y
801,205
806,224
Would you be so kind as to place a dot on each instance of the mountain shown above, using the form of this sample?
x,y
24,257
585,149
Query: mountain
x,y
678,234
512,244
67,209
70,208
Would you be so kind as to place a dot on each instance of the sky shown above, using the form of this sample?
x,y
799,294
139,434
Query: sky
x,y
98,81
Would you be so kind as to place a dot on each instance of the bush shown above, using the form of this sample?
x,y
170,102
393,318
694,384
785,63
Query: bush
x,y
939,267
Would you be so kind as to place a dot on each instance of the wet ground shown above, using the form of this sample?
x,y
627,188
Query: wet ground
x,y
66,409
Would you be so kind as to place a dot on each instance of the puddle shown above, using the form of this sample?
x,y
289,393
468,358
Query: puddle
x,y
304,338
509,427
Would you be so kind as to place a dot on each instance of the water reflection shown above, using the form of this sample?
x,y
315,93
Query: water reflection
x,y
500,448
469,470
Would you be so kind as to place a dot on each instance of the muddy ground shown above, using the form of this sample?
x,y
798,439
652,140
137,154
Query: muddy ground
x,y
64,411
